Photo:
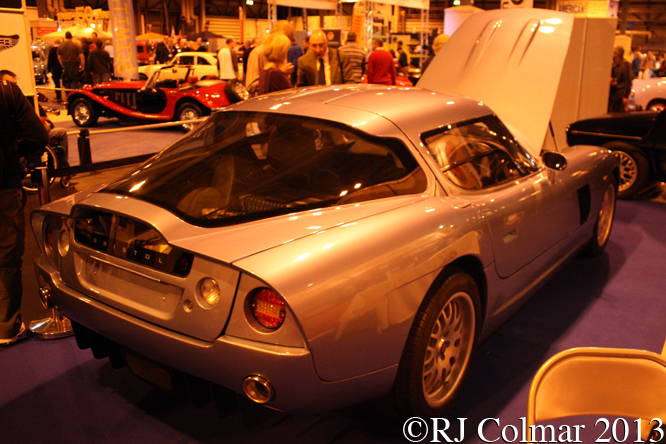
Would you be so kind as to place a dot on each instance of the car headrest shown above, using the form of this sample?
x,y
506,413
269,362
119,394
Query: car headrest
x,y
192,79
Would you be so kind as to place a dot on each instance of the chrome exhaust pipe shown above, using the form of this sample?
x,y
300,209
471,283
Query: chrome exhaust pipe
x,y
258,389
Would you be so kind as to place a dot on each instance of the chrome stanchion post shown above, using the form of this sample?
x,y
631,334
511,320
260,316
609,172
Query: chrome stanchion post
x,y
57,326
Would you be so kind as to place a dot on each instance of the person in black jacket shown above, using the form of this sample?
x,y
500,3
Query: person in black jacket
x,y
55,68
18,122
162,53
98,65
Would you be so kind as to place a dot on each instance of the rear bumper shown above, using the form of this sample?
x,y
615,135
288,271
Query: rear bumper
x,y
227,361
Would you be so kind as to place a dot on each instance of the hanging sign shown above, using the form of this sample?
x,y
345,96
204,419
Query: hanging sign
x,y
125,60
585,8
15,51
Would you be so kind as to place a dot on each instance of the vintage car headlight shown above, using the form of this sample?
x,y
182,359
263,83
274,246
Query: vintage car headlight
x,y
268,308
209,291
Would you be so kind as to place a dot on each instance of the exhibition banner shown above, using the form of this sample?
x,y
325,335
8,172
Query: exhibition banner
x,y
583,8
125,60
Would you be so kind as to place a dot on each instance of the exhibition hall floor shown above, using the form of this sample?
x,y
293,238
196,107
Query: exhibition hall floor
x,y
52,392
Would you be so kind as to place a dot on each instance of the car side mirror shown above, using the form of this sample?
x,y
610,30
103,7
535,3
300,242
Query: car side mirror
x,y
554,160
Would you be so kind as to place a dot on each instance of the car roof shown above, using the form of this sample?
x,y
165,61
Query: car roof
x,y
375,109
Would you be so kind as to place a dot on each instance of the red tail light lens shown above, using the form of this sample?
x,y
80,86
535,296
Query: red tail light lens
x,y
268,308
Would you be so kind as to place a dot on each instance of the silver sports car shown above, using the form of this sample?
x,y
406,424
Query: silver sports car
x,y
316,248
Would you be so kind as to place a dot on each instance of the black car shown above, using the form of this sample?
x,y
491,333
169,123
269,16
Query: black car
x,y
637,139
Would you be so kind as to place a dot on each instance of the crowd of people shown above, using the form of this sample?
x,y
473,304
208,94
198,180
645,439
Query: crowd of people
x,y
647,65
90,61
75,63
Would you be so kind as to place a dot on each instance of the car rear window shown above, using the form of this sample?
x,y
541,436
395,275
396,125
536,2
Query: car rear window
x,y
245,166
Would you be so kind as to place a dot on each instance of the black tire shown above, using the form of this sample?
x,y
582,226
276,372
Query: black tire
x,y
604,223
657,105
142,76
235,91
443,336
30,163
189,111
634,169
84,112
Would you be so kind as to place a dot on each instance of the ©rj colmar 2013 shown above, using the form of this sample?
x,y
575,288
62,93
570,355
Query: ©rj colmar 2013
x,y
490,430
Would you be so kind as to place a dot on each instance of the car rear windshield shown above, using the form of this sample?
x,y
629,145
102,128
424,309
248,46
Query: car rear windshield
x,y
240,166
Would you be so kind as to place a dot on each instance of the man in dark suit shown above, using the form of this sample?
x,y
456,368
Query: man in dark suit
x,y
322,65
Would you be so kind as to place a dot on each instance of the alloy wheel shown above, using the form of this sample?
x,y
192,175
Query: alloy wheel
x,y
449,349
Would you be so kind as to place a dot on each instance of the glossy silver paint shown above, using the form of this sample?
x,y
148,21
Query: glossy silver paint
x,y
353,276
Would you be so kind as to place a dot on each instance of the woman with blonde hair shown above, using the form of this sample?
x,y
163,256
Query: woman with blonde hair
x,y
272,78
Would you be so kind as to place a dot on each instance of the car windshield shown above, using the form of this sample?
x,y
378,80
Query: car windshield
x,y
240,166
169,77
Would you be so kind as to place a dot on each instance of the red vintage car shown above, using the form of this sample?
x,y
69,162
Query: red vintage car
x,y
171,93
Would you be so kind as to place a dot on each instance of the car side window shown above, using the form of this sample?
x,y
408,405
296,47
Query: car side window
x,y
478,154
202,61
185,60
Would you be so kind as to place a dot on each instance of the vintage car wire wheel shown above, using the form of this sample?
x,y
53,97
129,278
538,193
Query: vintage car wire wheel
x,y
634,168
439,348
189,111
657,105
604,223
84,112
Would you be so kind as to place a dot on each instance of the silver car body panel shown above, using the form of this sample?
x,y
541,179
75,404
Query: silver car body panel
x,y
352,276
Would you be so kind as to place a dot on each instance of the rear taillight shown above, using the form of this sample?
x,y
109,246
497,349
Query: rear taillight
x,y
63,242
210,292
268,308
48,238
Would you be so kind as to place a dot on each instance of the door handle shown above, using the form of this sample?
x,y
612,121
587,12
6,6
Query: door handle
x,y
510,237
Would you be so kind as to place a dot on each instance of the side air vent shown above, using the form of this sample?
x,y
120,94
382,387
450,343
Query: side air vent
x,y
584,203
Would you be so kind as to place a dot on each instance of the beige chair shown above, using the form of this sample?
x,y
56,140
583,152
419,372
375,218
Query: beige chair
x,y
600,382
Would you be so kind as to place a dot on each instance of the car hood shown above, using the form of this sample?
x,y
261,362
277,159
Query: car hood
x,y
230,243
512,60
